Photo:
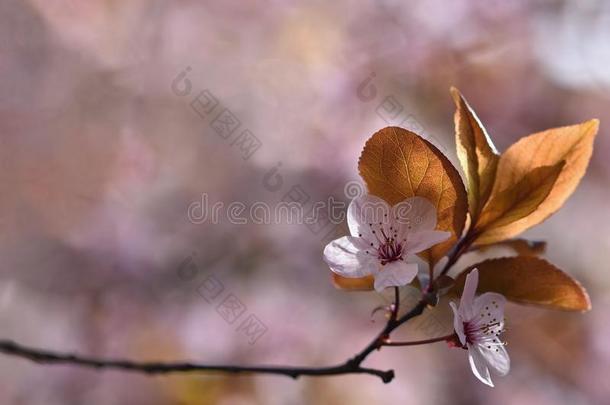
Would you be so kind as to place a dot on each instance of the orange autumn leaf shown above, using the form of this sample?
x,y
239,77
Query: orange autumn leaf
x,y
522,247
397,164
529,280
476,152
527,158
353,284
500,216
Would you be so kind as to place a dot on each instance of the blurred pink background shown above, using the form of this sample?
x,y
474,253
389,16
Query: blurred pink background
x,y
101,158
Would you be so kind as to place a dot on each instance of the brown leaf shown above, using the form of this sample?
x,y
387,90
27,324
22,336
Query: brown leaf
x,y
522,247
397,164
477,153
501,215
353,284
572,144
529,280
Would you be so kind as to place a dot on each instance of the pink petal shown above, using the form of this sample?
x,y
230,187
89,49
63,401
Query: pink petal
x,y
414,214
467,300
479,365
395,274
419,241
458,323
366,210
496,358
489,308
347,257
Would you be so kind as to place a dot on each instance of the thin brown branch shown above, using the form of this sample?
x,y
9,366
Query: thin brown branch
x,y
351,366
420,342
396,306
460,248
49,357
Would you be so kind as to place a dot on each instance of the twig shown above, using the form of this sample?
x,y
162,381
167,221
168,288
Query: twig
x,y
460,248
390,326
48,357
420,342
396,306
351,366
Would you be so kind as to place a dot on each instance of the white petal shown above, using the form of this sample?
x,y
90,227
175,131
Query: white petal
x,y
496,358
458,323
467,300
419,241
366,210
347,257
414,214
395,274
479,365
489,308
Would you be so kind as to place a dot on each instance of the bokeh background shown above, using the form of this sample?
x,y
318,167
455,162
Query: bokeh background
x,y
102,154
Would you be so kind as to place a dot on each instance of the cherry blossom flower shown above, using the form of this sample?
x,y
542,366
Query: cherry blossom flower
x,y
478,323
382,239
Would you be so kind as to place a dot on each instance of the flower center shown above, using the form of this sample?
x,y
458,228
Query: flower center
x,y
389,247
484,330
389,251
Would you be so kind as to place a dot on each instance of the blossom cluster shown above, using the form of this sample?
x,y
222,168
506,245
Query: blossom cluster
x,y
419,208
